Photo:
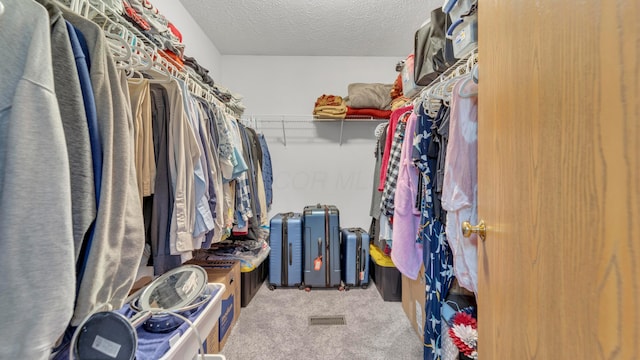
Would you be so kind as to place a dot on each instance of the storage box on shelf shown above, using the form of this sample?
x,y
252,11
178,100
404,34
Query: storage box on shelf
x,y
385,275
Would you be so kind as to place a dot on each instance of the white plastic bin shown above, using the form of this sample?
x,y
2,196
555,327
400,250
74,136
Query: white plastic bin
x,y
210,357
457,8
183,347
464,36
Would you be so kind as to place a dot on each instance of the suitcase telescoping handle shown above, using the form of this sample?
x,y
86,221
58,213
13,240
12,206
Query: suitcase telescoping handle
x,y
284,275
363,258
327,240
359,257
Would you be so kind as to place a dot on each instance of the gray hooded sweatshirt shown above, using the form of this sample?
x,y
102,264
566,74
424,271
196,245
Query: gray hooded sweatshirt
x,y
36,236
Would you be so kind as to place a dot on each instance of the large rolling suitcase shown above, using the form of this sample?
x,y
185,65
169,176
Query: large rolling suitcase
x,y
321,246
355,257
285,258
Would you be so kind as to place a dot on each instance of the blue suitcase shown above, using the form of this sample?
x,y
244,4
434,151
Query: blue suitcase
x,y
285,258
355,257
321,246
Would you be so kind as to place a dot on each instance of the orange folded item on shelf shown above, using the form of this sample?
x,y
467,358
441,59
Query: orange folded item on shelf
x,y
173,58
329,100
396,91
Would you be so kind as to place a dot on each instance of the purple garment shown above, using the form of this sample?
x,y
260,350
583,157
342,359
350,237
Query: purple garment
x,y
407,252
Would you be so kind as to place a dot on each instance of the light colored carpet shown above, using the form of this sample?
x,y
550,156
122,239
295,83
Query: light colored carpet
x,y
275,325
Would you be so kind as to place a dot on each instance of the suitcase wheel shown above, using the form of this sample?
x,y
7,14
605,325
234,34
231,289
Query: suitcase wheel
x,y
364,286
307,289
301,287
271,287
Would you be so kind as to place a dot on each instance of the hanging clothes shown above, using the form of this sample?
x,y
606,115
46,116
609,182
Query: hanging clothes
x,y
407,251
438,152
81,54
74,121
460,187
203,218
111,163
437,256
376,196
267,171
258,156
214,190
393,122
163,199
35,186
145,164
387,202
109,265
183,154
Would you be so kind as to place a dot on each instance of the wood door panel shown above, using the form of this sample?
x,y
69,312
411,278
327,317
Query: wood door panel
x,y
559,120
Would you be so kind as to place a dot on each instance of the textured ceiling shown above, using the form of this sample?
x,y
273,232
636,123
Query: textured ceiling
x,y
308,27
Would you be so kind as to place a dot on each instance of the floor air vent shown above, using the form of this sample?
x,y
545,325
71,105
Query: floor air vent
x,y
327,320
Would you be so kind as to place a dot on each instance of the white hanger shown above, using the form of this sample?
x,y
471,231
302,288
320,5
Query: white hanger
x,y
159,69
462,93
141,61
474,74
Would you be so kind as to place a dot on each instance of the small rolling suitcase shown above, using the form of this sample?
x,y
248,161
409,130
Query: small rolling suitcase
x,y
321,246
285,258
355,257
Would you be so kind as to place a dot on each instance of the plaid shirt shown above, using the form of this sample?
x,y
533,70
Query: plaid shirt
x,y
243,200
388,194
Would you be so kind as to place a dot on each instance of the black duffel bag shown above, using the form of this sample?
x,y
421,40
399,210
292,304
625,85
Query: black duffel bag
x,y
433,51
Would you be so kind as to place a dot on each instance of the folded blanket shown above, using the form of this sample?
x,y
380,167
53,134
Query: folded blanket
x,y
322,115
329,100
369,96
375,113
399,102
330,109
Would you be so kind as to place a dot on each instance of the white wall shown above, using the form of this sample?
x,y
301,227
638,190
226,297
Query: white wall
x,y
197,44
313,167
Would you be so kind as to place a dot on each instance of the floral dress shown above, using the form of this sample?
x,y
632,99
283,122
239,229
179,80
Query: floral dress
x,y
437,257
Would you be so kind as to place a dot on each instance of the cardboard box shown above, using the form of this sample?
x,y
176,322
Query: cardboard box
x,y
226,272
212,343
413,301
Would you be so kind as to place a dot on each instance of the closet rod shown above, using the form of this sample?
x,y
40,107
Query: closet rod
x,y
460,64
110,20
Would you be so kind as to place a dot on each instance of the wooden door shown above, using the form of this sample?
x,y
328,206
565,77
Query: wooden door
x,y
559,178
